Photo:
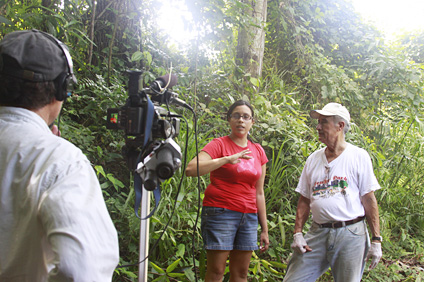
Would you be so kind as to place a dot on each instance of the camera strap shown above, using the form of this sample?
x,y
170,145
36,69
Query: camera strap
x,y
150,114
138,182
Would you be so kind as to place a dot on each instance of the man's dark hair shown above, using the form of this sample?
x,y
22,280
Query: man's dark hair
x,y
16,92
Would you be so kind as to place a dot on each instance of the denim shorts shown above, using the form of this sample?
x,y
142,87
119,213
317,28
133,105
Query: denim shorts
x,y
224,229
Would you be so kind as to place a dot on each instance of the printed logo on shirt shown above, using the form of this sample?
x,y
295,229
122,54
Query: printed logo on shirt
x,y
248,165
327,188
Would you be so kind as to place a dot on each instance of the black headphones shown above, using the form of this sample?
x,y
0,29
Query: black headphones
x,y
64,80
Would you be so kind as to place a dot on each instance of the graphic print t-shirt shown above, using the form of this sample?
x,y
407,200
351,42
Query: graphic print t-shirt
x,y
233,185
335,189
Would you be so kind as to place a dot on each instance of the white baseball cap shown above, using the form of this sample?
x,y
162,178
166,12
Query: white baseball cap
x,y
332,109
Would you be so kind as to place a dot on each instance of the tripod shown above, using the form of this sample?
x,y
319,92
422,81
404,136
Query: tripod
x,y
144,236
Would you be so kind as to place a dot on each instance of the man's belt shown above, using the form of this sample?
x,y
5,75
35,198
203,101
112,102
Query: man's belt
x,y
339,224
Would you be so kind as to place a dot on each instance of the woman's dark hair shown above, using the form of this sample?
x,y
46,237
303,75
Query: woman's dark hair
x,y
16,92
239,103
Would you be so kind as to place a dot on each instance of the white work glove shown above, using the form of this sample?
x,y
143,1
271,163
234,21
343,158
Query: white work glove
x,y
299,243
375,254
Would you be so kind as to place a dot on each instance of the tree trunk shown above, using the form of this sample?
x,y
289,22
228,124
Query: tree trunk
x,y
251,39
91,34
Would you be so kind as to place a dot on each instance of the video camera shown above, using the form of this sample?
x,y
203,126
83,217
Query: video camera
x,y
143,123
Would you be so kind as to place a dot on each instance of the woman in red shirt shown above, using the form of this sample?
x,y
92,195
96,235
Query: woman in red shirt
x,y
234,200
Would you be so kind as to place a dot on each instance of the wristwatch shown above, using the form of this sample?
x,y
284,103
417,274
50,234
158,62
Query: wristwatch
x,y
377,238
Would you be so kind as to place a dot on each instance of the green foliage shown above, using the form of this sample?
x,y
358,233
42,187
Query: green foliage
x,y
413,45
168,274
317,51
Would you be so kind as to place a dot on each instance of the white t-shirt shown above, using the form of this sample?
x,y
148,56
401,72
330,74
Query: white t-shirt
x,y
54,225
335,189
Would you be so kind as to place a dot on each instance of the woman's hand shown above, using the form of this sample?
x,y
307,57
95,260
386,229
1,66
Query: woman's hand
x,y
264,243
234,159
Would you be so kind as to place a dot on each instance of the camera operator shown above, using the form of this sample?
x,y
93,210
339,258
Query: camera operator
x,y
54,224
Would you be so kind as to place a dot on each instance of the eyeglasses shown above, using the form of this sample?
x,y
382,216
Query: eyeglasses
x,y
237,116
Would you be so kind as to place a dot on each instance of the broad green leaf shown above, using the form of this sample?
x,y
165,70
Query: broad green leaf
x,y
137,56
171,267
181,250
157,268
148,57
254,81
175,275
100,170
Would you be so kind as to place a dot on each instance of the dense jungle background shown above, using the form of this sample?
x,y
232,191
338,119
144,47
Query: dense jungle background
x,y
306,53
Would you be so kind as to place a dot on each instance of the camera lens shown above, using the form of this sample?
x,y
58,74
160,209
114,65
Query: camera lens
x,y
165,167
165,170
150,182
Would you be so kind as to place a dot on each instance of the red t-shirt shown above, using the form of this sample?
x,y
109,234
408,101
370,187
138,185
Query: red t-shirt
x,y
233,185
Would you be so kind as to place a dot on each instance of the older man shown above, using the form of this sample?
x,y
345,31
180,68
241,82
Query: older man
x,y
337,185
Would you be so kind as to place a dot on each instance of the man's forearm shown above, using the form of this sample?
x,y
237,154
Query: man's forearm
x,y
371,212
302,213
